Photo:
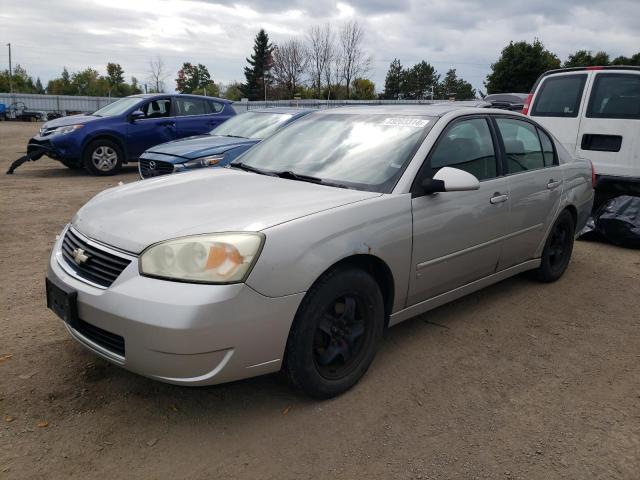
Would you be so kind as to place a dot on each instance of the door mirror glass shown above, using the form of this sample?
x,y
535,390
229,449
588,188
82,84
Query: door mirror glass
x,y
136,115
449,179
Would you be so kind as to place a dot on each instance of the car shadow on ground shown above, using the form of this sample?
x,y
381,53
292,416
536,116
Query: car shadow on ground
x,y
269,392
60,171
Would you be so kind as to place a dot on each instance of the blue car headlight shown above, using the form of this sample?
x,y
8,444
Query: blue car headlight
x,y
66,129
207,161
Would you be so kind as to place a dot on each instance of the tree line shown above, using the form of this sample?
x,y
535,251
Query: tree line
x,y
327,62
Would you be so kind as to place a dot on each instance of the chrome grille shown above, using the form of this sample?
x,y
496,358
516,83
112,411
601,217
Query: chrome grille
x,y
91,262
152,168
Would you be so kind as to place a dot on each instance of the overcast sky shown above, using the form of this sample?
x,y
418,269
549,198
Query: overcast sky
x,y
463,34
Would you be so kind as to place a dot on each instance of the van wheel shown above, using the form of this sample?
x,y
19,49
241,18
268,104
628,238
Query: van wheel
x,y
103,157
336,333
557,251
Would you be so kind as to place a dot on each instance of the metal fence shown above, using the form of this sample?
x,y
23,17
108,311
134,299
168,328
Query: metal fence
x,y
69,103
323,104
56,103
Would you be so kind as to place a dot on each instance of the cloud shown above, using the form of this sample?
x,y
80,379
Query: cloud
x,y
464,34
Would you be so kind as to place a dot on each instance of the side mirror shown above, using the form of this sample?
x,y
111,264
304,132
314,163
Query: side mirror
x,y
136,115
449,179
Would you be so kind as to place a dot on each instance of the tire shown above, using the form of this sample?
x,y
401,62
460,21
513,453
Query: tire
x,y
557,250
335,333
71,165
103,157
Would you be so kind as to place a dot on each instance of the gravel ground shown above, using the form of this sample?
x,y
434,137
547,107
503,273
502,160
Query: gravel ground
x,y
519,381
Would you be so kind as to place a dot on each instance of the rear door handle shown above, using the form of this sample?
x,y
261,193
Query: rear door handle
x,y
553,184
498,198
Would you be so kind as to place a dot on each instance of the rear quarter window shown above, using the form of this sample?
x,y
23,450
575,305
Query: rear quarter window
x,y
559,96
615,95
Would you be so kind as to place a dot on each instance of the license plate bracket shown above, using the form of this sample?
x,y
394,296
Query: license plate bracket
x,y
63,301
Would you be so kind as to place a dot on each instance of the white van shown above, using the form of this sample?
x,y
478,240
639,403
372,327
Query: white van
x,y
595,113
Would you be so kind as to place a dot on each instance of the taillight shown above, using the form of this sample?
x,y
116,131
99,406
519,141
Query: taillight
x,y
593,175
527,104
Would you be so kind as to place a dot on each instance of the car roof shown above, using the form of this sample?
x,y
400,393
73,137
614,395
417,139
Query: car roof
x,y
422,109
155,95
614,68
287,110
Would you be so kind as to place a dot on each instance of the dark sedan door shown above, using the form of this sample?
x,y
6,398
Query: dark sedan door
x,y
198,116
157,126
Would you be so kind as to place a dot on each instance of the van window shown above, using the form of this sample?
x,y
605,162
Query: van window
x,y
467,145
559,96
521,145
615,95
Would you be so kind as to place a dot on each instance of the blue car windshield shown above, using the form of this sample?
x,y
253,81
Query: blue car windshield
x,y
361,151
251,125
118,107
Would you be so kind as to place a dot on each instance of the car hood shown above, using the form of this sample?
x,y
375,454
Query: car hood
x,y
132,217
70,120
195,147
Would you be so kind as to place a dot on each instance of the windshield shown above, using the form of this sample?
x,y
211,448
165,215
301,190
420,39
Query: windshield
x,y
365,152
252,125
118,107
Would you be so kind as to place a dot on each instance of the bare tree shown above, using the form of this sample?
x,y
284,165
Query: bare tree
x,y
354,62
289,63
157,74
320,53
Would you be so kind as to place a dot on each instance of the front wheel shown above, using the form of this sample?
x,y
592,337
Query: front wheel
x,y
336,333
557,250
103,157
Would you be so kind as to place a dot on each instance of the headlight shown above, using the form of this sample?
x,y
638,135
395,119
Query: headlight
x,y
67,129
215,258
201,162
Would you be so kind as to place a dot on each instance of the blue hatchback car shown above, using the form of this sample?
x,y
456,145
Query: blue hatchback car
x,y
119,132
222,145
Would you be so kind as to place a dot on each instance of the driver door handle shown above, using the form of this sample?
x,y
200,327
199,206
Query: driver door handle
x,y
169,123
498,198
553,184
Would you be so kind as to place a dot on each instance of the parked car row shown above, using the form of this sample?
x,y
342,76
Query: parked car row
x,y
298,253
120,132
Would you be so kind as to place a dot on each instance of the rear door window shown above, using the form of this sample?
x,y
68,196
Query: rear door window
x,y
467,145
190,106
215,107
547,149
559,96
521,145
615,95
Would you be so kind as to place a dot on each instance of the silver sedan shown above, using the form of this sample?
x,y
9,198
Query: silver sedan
x,y
300,253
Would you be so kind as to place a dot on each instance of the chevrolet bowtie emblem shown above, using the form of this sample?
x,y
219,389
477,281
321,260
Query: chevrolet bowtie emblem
x,y
79,256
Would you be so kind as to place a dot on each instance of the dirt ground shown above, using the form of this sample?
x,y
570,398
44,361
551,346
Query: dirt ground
x,y
519,381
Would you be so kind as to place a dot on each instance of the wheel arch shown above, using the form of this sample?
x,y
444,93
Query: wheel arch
x,y
378,269
106,136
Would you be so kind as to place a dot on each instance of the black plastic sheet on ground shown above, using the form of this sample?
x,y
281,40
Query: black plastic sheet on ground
x,y
616,221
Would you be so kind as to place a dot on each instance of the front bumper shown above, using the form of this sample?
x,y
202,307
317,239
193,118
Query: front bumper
x,y
54,147
182,333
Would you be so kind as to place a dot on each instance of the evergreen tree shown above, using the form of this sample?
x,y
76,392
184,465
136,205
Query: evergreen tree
x,y
39,87
260,63
419,81
452,86
393,80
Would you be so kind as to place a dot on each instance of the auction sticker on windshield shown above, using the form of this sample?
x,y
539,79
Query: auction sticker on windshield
x,y
405,122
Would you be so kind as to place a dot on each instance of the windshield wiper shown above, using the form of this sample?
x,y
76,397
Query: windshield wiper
x,y
288,174
232,136
249,168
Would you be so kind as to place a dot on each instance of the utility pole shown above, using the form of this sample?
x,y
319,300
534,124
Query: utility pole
x,y
10,70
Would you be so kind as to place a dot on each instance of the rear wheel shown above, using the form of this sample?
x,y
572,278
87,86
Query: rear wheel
x,y
103,157
557,250
336,333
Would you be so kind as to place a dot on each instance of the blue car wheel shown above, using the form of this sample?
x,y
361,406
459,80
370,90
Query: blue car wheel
x,y
103,157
